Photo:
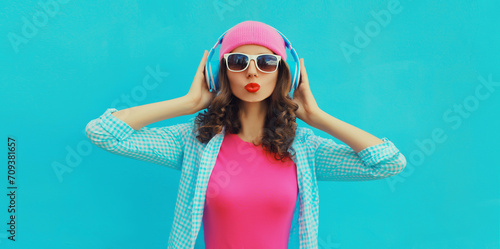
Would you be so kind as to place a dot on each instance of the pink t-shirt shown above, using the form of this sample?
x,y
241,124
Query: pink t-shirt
x,y
250,198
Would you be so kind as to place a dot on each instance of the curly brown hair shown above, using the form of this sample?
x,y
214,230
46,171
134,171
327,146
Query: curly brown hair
x,y
279,125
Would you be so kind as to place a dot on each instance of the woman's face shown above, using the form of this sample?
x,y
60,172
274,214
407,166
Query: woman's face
x,y
239,80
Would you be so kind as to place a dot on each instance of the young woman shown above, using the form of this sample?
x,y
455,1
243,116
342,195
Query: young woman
x,y
246,167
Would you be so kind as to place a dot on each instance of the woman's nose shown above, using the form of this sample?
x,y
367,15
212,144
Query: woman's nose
x,y
252,67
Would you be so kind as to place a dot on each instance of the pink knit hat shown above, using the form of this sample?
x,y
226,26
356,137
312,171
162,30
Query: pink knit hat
x,y
253,32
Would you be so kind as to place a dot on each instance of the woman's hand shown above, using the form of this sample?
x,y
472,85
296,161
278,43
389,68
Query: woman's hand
x,y
199,94
302,96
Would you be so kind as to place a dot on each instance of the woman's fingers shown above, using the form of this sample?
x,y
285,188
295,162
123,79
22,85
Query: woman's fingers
x,y
303,72
203,62
200,73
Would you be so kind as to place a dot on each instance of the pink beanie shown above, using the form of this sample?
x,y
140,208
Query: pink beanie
x,y
253,32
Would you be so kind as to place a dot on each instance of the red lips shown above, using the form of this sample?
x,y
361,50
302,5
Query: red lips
x,y
252,87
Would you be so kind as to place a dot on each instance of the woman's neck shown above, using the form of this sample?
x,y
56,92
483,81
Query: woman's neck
x,y
252,116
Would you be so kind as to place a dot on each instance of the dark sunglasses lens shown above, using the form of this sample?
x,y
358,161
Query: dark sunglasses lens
x,y
237,61
267,63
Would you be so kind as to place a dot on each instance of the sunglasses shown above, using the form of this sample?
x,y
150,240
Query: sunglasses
x,y
238,62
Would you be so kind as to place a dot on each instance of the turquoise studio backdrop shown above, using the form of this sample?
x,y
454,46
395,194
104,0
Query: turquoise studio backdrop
x,y
424,74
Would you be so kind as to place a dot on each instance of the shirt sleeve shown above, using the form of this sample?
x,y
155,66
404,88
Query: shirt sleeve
x,y
339,162
159,145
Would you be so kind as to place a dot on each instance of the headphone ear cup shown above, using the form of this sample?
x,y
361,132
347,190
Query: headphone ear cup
x,y
214,75
297,73
292,65
207,80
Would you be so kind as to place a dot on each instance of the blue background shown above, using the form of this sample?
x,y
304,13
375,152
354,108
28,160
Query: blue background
x,y
406,82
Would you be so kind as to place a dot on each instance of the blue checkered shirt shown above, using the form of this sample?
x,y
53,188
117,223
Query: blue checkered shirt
x,y
176,147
